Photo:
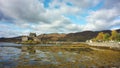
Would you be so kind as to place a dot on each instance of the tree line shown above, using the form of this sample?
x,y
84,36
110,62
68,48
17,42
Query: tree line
x,y
114,36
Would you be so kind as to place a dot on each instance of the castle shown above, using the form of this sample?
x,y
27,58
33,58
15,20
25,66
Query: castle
x,y
32,37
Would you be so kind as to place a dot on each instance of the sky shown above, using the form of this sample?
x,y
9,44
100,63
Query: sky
x,y
20,17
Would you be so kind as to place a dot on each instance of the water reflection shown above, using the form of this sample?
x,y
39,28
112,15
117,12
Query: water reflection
x,y
30,49
6,44
35,55
9,56
31,55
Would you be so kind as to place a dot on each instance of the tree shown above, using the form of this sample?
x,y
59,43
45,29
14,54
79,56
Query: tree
x,y
114,34
100,36
118,37
106,36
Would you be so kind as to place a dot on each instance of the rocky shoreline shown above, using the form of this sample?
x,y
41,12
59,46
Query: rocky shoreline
x,y
111,45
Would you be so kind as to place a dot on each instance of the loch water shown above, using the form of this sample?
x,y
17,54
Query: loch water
x,y
23,56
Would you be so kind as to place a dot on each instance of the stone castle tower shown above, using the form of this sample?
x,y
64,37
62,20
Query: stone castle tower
x,y
32,36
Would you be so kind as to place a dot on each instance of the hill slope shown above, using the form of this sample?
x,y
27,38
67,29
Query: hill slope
x,y
73,37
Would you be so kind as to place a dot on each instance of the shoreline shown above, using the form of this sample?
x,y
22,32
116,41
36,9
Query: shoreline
x,y
106,45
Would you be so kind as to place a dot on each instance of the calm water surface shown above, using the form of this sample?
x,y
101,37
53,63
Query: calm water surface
x,y
14,55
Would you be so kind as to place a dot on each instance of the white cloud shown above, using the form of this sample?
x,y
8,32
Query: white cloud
x,y
62,25
84,3
104,18
112,3
26,10
7,31
32,16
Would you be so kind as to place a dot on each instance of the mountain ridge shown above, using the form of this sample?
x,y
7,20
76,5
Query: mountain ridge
x,y
72,37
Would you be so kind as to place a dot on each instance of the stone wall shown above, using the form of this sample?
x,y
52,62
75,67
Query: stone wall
x,y
24,38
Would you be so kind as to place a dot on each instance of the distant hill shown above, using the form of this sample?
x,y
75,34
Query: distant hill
x,y
74,37
13,39
85,35
51,37
80,36
118,30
